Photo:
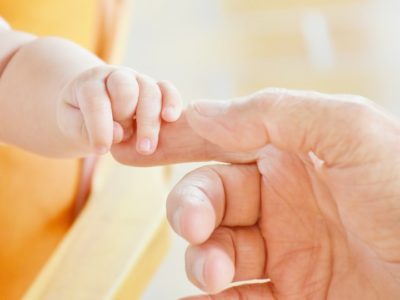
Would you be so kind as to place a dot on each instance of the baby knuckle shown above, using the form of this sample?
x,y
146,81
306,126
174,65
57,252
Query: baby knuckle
x,y
156,93
151,93
149,123
95,104
167,85
92,95
98,72
121,80
91,88
165,82
125,93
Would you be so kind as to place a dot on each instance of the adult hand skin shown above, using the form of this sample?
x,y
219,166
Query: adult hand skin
x,y
311,200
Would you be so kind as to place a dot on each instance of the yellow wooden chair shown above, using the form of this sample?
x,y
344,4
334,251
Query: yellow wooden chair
x,y
117,242
112,249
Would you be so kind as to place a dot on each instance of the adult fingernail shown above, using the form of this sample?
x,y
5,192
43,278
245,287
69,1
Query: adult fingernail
x,y
145,145
170,113
198,268
209,108
176,220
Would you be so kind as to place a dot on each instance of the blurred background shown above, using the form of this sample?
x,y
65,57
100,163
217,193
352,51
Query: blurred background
x,y
226,48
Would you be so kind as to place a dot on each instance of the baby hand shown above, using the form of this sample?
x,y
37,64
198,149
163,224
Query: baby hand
x,y
107,104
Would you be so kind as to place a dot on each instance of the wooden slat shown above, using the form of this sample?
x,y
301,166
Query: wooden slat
x,y
111,242
142,272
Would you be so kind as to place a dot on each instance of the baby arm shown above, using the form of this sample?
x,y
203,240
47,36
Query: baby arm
x,y
57,99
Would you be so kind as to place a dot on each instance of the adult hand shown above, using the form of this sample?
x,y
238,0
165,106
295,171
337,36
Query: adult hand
x,y
315,209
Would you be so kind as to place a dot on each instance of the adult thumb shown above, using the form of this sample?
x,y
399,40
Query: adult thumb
x,y
295,121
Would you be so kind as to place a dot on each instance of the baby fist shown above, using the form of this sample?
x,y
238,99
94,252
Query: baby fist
x,y
106,105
